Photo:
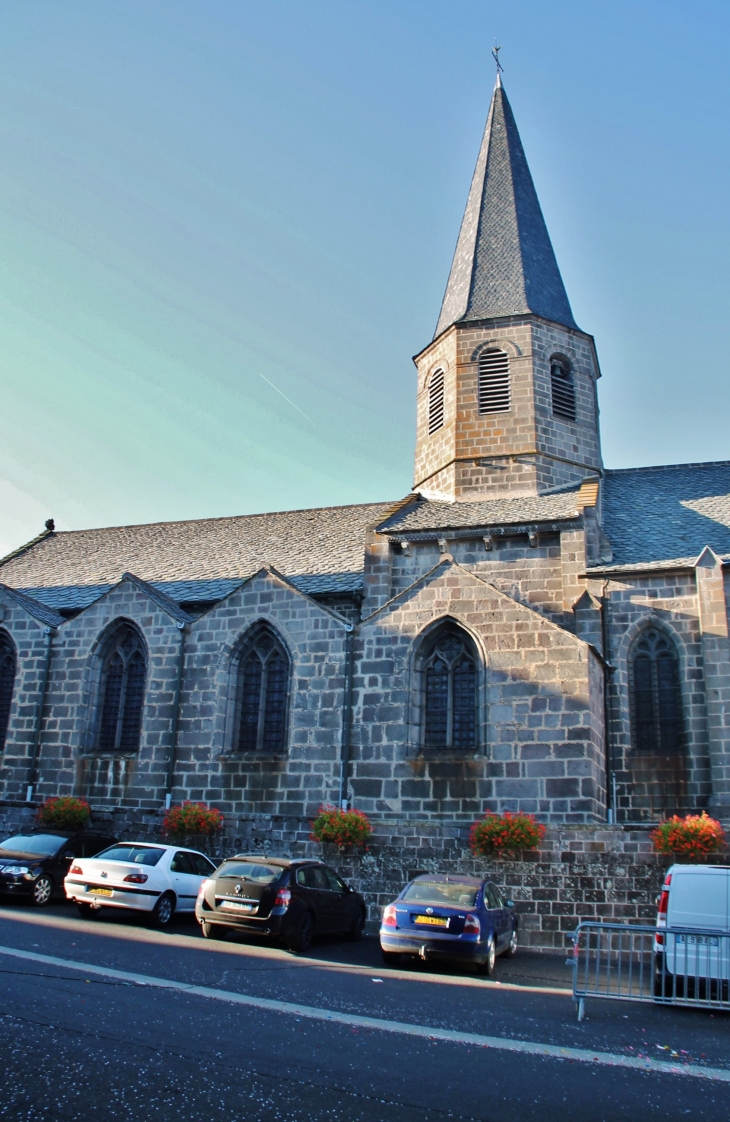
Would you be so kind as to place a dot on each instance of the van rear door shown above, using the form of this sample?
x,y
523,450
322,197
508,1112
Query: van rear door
x,y
698,901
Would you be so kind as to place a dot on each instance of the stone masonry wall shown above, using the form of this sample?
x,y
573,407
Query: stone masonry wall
x,y
580,873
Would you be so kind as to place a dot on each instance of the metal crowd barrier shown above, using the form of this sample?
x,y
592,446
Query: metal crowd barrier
x,y
667,966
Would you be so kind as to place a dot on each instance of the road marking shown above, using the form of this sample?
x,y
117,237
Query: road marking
x,y
252,950
426,1032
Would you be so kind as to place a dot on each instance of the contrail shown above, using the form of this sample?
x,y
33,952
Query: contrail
x,y
286,398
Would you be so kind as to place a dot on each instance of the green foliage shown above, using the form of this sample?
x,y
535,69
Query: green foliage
x,y
344,828
499,834
66,812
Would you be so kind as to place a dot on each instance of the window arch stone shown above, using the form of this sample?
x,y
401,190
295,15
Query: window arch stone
x,y
8,668
449,685
121,691
263,679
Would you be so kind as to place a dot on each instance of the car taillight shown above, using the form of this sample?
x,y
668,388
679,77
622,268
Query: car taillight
x,y
76,869
204,884
471,923
389,919
664,898
283,898
136,878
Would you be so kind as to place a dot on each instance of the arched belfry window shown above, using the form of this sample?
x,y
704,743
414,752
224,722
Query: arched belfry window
x,y
494,389
263,693
562,386
7,681
656,699
123,677
436,402
449,684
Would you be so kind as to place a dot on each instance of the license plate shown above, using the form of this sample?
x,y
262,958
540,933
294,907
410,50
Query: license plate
x,y
101,891
237,906
432,921
699,940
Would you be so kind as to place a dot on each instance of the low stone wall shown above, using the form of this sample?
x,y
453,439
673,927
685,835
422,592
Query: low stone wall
x,y
580,872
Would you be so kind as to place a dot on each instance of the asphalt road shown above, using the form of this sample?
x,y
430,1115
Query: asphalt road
x,y
107,1019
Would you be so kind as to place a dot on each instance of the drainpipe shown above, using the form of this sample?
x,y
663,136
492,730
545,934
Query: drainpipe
x,y
183,628
35,750
346,716
612,808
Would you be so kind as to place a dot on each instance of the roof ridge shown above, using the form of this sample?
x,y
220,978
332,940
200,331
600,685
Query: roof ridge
x,y
669,467
36,608
29,545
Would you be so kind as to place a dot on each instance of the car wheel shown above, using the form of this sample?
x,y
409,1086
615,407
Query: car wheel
x,y
213,930
390,958
300,937
42,892
511,948
87,912
487,967
357,927
163,910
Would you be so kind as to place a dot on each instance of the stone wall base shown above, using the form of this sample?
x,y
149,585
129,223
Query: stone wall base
x,y
580,873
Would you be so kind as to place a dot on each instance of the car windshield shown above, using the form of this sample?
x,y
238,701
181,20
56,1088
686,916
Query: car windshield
x,y
250,870
135,854
41,845
441,892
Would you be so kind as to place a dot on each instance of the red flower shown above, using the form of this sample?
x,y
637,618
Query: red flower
x,y
342,827
192,819
66,812
505,833
694,837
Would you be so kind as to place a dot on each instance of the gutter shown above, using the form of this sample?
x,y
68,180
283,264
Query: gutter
x,y
346,717
611,807
183,627
35,750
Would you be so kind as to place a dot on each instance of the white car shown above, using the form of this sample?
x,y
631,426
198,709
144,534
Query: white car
x,y
140,877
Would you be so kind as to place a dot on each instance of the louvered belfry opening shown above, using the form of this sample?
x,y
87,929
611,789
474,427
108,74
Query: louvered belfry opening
x,y
562,385
8,666
494,388
436,402
449,671
656,700
123,677
263,694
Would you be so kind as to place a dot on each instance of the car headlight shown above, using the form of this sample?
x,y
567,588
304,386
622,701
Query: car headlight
x,y
16,870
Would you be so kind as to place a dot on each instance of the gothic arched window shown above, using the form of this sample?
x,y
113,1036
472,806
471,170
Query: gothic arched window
x,y
7,681
263,693
449,669
656,699
494,393
436,402
123,676
562,386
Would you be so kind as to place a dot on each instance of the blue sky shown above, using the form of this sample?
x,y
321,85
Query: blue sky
x,y
226,226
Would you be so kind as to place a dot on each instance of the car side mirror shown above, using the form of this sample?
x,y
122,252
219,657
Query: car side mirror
x,y
350,888
510,903
68,856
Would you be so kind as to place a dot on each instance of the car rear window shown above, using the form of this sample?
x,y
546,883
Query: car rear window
x,y
439,892
135,854
251,870
41,845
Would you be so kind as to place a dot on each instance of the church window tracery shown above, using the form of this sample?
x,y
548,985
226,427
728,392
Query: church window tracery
x,y
7,682
494,387
263,692
123,677
656,700
562,385
436,402
449,671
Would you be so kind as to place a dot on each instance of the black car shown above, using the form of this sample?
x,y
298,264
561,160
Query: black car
x,y
286,900
35,863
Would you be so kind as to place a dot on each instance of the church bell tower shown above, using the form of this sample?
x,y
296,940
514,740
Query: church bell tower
x,y
507,400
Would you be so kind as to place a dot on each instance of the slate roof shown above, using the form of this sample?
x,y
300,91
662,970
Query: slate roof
x,y
38,610
656,515
320,550
504,262
428,514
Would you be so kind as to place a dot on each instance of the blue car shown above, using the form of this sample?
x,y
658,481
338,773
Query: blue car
x,y
459,918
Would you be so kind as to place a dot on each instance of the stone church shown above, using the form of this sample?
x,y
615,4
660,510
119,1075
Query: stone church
x,y
523,630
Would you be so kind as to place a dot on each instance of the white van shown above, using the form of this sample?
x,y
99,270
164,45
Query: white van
x,y
694,909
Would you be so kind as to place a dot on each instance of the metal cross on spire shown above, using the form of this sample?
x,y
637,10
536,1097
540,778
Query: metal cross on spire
x,y
495,56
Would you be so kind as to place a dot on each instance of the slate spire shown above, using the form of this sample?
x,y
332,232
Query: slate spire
x,y
504,262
